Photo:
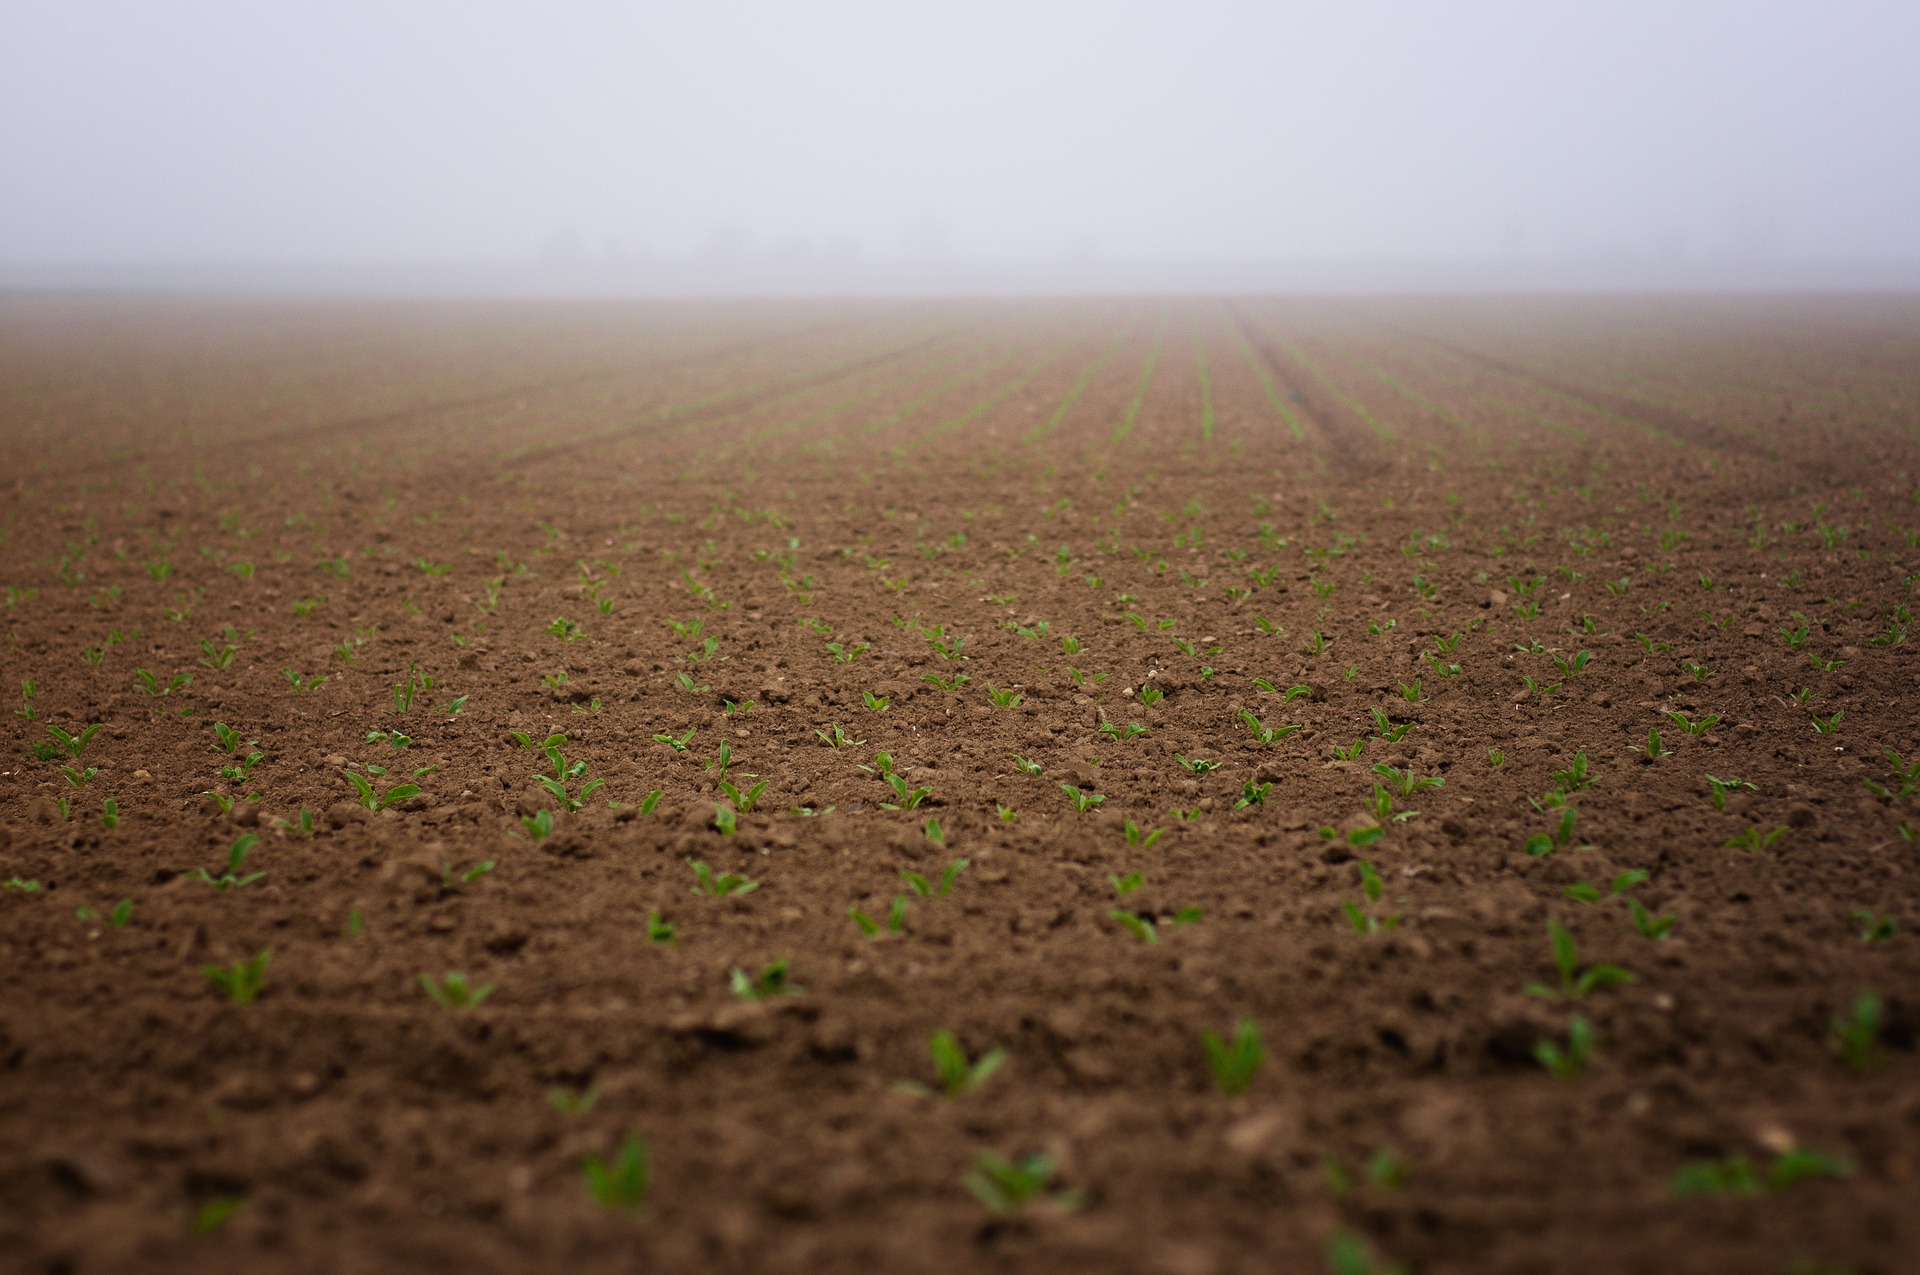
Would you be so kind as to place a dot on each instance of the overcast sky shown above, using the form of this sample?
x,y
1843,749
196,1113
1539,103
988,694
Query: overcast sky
x,y
189,131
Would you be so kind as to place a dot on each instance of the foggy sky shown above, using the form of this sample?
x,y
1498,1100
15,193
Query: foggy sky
x,y
846,135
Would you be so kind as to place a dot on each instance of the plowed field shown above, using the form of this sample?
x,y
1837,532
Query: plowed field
x,y
543,787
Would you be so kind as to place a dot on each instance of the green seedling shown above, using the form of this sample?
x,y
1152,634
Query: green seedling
x,y
238,772
403,692
896,918
79,778
151,684
214,657
742,707
1826,666
721,762
1576,776
1351,753
301,823
910,798
1735,1176
468,877
1700,727
621,1183
1496,758
1198,765
1007,813
1262,732
1143,927
1571,1062
1348,1254
1753,839
1404,783
952,683
1150,695
1253,793
725,822
1656,747
659,930
835,737
773,981
452,991
687,684
566,630
926,889
843,653
538,824
241,981
74,745
1543,844
1386,1170
1721,787
744,801
236,857
724,885
1123,886
116,918
1235,1062
573,1102
1829,724
933,831
1906,778
958,1076
1384,727
1362,836
1875,927
1362,918
302,682
877,703
677,743
380,801
1007,1186
1646,924
23,887
1852,1039
1004,699
1137,836
1082,801
1121,734
1575,983
1026,765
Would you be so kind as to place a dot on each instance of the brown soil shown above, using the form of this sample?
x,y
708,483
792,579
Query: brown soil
x,y
1713,499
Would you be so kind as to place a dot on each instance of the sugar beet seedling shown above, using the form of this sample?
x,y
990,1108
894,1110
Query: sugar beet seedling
x,y
236,857
241,982
1575,983
958,1076
1007,1187
1362,918
1235,1062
